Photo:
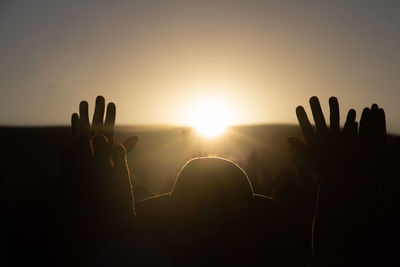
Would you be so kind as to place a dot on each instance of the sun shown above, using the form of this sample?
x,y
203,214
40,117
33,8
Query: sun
x,y
209,117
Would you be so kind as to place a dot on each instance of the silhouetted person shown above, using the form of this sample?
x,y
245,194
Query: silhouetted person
x,y
212,217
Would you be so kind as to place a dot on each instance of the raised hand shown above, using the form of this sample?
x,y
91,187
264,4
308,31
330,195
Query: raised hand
x,y
81,127
80,123
96,188
378,158
348,220
328,151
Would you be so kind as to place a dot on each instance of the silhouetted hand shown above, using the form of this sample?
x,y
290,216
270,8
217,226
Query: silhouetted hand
x,y
380,160
81,127
97,191
329,151
348,222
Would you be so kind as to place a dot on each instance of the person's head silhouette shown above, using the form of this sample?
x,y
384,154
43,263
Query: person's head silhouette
x,y
212,176
212,185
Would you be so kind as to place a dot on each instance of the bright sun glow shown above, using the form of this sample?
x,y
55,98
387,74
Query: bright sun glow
x,y
210,117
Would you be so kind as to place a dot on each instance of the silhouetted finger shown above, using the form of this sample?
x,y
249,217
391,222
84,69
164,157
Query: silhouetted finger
x,y
365,121
98,114
382,125
130,143
84,118
350,120
353,131
317,114
334,114
305,124
373,124
109,122
75,124
101,153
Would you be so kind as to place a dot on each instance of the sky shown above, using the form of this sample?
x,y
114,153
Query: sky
x,y
158,59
